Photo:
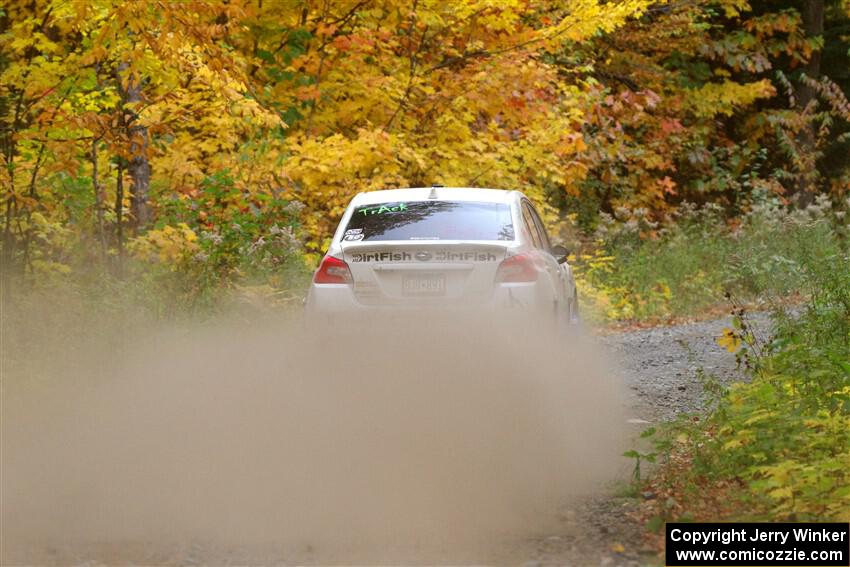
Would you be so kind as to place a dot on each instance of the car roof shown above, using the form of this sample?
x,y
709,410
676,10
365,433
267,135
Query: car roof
x,y
442,194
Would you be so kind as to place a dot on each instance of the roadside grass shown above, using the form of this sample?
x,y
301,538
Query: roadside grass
x,y
168,275
777,447
638,273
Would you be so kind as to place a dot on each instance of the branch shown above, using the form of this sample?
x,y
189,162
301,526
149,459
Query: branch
x,y
414,62
483,53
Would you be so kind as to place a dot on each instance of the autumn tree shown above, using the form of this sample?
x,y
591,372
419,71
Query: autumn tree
x,y
94,88
694,106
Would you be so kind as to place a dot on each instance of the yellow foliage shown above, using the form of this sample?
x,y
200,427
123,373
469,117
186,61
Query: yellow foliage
x,y
46,268
729,340
734,8
725,98
169,245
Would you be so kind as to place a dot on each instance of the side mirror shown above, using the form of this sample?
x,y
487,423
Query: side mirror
x,y
560,253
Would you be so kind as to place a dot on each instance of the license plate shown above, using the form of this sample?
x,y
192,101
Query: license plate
x,y
424,284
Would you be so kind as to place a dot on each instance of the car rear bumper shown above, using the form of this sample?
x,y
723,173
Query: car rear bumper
x,y
337,298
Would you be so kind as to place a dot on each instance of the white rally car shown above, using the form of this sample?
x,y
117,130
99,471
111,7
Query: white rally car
x,y
441,247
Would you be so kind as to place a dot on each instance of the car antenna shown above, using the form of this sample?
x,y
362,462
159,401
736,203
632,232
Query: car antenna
x,y
433,193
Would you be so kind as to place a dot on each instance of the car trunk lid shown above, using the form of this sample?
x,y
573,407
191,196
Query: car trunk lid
x,y
423,272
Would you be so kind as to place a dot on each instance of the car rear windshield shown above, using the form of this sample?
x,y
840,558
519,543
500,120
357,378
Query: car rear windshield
x,y
430,220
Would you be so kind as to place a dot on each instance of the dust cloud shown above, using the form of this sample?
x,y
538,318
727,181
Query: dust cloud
x,y
254,441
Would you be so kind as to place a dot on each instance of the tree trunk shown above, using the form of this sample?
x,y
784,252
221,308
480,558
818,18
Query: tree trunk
x,y
99,198
138,167
8,141
119,213
8,252
812,14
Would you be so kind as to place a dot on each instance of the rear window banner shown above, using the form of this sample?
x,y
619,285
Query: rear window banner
x,y
430,220
437,256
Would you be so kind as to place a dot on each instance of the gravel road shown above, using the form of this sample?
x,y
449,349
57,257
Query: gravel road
x,y
660,366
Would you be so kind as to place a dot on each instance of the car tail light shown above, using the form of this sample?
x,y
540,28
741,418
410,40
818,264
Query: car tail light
x,y
333,270
519,268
